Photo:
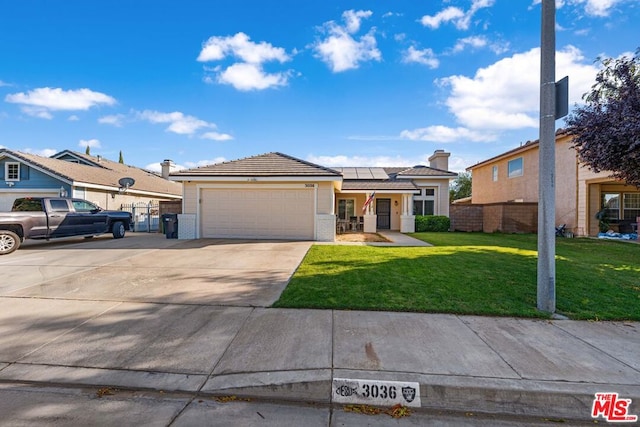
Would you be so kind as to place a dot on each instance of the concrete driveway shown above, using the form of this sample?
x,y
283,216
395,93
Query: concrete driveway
x,y
146,267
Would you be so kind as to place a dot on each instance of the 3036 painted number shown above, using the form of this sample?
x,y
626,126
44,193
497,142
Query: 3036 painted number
x,y
379,391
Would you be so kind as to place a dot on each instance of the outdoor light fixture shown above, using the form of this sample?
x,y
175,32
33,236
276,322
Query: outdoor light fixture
x,y
62,192
10,183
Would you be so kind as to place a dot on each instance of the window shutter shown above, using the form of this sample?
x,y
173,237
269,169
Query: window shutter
x,y
24,172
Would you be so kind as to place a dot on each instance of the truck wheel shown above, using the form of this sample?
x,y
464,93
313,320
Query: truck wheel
x,y
118,230
9,242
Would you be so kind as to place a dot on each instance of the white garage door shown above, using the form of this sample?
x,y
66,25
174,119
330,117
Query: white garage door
x,y
6,199
258,214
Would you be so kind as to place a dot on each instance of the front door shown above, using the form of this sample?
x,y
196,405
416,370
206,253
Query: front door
x,y
383,211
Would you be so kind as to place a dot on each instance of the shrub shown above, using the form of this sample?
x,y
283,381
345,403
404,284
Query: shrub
x,y
432,223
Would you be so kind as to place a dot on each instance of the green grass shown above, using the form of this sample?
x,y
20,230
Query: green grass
x,y
470,273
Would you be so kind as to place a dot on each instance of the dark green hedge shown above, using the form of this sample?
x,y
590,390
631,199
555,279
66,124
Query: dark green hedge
x,y
432,223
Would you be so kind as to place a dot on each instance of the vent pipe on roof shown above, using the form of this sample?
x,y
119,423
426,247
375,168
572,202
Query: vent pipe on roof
x,y
439,160
166,168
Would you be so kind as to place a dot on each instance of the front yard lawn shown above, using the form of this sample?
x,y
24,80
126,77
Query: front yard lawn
x,y
470,273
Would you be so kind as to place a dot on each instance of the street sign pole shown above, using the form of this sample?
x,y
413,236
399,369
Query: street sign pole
x,y
546,181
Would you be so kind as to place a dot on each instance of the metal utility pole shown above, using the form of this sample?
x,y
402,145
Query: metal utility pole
x,y
546,184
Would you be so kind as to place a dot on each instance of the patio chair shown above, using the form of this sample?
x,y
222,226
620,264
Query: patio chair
x,y
560,230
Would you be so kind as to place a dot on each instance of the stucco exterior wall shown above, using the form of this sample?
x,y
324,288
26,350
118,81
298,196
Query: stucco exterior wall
x,y
524,188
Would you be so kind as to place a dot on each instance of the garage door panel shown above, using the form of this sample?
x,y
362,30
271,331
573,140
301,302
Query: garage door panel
x,y
262,214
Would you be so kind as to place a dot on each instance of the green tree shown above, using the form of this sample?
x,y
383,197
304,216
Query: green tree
x,y
460,187
121,159
606,130
87,151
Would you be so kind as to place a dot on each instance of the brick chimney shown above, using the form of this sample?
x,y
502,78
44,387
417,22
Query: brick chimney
x,y
439,160
166,168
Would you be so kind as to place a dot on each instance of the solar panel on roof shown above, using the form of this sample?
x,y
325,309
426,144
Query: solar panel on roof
x,y
379,173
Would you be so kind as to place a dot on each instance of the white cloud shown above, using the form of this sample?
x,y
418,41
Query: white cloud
x,y
353,18
4,83
340,50
479,42
114,119
44,152
41,101
73,118
449,14
241,47
93,143
247,74
157,167
363,161
444,134
178,122
505,95
460,19
215,136
424,56
600,8
182,124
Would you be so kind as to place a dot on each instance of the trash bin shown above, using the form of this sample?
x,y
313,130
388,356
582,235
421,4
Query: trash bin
x,y
170,222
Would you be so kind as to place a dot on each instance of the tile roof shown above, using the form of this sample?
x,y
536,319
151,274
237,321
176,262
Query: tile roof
x,y
425,171
364,184
269,164
105,172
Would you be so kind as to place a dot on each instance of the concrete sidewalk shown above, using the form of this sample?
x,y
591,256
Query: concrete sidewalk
x,y
190,320
464,363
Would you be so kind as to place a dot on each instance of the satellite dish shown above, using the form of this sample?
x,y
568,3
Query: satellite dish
x,y
126,182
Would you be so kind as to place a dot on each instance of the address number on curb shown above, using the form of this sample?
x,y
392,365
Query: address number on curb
x,y
380,393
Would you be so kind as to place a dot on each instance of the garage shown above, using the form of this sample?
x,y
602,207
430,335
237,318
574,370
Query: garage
x,y
6,199
266,213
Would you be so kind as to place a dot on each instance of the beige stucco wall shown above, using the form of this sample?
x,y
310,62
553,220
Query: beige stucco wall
x,y
324,200
106,201
524,188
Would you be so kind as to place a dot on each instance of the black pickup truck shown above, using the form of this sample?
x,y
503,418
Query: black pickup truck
x,y
48,218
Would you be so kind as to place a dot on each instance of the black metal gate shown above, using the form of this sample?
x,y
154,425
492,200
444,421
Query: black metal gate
x,y
383,211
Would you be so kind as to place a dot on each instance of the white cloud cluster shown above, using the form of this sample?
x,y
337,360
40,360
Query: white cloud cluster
x,y
424,57
459,18
340,50
41,102
157,167
600,8
114,120
247,74
183,124
480,42
503,96
44,152
92,143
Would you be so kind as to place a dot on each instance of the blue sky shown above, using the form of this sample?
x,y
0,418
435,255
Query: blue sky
x,y
339,83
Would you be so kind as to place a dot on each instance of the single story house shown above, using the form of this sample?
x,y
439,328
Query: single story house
x,y
72,174
512,177
277,196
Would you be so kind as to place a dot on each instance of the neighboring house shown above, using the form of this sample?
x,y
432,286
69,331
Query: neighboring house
x,y
72,174
580,193
276,196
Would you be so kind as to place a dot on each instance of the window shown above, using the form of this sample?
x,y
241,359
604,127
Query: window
x,y
494,174
346,208
12,171
429,191
515,167
59,206
83,206
423,207
611,206
631,206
